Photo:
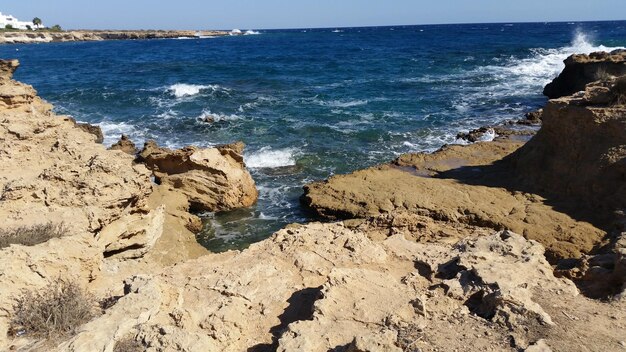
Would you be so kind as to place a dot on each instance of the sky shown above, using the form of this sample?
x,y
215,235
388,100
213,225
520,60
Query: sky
x,y
267,14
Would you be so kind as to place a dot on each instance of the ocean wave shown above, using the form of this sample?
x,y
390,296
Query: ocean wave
x,y
181,90
217,117
267,157
113,130
251,32
541,67
343,103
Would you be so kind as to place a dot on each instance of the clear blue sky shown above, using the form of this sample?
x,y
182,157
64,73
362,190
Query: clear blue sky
x,y
259,14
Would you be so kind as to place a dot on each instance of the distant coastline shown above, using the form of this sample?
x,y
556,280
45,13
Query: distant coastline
x,y
28,37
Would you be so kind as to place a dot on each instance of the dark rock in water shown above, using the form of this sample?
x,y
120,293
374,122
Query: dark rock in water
x,y
532,118
581,70
476,135
125,145
489,133
95,130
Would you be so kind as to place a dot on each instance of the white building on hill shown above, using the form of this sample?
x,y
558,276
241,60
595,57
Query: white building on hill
x,y
15,23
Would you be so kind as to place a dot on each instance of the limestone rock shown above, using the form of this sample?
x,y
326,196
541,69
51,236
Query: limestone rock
x,y
93,129
452,185
75,257
7,68
581,70
125,145
133,235
580,150
213,179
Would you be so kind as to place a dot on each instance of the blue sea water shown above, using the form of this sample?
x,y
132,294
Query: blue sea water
x,y
308,103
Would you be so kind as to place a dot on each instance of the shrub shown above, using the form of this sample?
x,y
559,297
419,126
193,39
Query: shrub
x,y
128,344
32,235
620,90
52,312
602,75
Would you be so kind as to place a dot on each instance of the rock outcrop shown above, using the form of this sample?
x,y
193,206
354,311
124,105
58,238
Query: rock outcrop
x,y
464,184
28,37
580,150
583,69
213,179
426,262
52,168
322,287
125,145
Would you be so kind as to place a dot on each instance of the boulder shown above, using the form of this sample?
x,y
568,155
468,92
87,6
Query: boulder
x,y
582,69
125,145
213,179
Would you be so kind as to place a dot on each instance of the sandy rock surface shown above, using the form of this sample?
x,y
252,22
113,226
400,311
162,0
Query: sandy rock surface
x,y
213,179
333,287
457,184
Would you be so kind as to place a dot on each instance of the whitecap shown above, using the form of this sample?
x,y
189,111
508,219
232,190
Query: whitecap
x,y
217,117
251,32
488,136
343,103
267,157
113,130
181,90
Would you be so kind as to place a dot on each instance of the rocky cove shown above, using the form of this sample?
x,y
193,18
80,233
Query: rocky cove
x,y
515,244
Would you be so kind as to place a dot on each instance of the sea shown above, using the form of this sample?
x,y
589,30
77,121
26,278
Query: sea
x,y
308,103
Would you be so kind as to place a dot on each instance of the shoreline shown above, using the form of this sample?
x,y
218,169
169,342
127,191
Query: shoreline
x,y
26,37
419,253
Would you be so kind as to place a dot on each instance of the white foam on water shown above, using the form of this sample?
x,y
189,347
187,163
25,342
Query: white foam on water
x,y
113,130
251,32
181,90
540,68
267,157
343,103
488,136
217,117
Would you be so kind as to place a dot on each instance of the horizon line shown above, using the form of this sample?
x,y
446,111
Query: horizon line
x,y
346,27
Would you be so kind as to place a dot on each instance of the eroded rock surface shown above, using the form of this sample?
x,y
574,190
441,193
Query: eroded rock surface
x,y
333,287
583,69
457,184
213,179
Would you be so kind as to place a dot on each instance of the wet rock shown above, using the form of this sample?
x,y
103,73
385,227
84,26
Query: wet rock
x,y
478,135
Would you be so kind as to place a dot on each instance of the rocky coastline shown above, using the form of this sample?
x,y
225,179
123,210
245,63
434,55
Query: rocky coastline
x,y
97,35
518,244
